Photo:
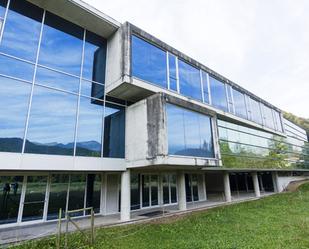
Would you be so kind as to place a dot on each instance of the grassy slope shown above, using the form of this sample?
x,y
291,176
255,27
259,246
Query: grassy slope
x,y
280,221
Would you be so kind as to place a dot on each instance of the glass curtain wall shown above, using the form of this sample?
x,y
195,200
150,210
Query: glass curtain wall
x,y
189,133
63,114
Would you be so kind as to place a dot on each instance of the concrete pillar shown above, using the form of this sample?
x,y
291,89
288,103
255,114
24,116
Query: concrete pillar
x,y
227,188
277,187
181,189
125,207
256,185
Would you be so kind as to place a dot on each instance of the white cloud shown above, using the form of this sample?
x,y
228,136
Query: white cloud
x,y
262,45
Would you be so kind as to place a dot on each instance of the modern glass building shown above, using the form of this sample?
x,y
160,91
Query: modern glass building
x,y
95,113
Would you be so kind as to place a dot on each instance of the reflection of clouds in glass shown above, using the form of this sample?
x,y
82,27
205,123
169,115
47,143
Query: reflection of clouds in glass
x,y
52,116
148,62
218,94
21,35
239,103
57,80
189,80
14,97
59,49
16,68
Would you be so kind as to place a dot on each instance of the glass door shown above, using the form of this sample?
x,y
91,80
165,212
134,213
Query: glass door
x,y
150,190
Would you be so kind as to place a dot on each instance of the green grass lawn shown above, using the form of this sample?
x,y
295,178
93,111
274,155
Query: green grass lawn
x,y
279,221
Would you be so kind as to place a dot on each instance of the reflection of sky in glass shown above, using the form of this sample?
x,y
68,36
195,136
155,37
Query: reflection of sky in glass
x,y
240,104
3,4
92,89
269,122
14,98
52,117
205,87
16,68
148,62
189,80
218,94
94,58
58,80
172,71
61,46
255,111
89,122
189,133
21,32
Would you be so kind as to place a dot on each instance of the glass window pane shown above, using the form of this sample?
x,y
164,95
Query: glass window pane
x,y
255,111
92,89
145,190
175,127
268,117
62,44
205,87
114,131
89,132
94,192
240,104
206,146
192,134
58,195
77,193
172,72
34,198
57,80
22,30
218,94
15,68
154,190
148,62
10,187
278,121
135,191
94,58
14,96
173,188
189,80
3,4
52,122
166,192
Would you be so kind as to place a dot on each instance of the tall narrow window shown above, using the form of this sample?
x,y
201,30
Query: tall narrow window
x,y
239,103
218,94
173,77
205,87
255,111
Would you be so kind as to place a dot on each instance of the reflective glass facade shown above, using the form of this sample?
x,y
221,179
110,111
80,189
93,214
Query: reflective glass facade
x,y
243,147
162,68
189,133
52,75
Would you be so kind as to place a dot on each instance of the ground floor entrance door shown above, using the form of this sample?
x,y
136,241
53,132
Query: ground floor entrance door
x,y
150,190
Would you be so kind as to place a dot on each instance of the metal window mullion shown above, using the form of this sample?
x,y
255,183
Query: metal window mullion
x,y
85,193
17,58
102,193
4,20
169,188
177,74
33,80
79,91
202,86
168,71
141,191
232,100
46,201
208,85
22,200
227,96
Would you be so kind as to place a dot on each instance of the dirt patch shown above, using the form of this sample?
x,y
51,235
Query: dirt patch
x,y
293,186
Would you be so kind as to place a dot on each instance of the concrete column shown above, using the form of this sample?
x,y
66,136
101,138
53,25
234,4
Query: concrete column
x,y
125,207
227,188
181,189
256,184
277,187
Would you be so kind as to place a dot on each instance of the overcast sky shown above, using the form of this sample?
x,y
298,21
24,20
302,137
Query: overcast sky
x,y
262,45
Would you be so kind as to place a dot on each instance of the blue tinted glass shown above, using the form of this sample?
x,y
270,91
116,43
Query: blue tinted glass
x,y
16,68
172,72
240,104
52,122
268,117
175,129
94,58
3,4
92,89
218,94
148,62
205,87
256,115
58,80
22,30
189,80
114,131
189,133
62,44
14,99
89,132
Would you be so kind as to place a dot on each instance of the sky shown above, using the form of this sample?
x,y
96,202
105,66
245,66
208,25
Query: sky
x,y
262,45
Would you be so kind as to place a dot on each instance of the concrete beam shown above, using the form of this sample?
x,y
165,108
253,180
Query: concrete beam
x,y
181,189
125,207
256,184
227,188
